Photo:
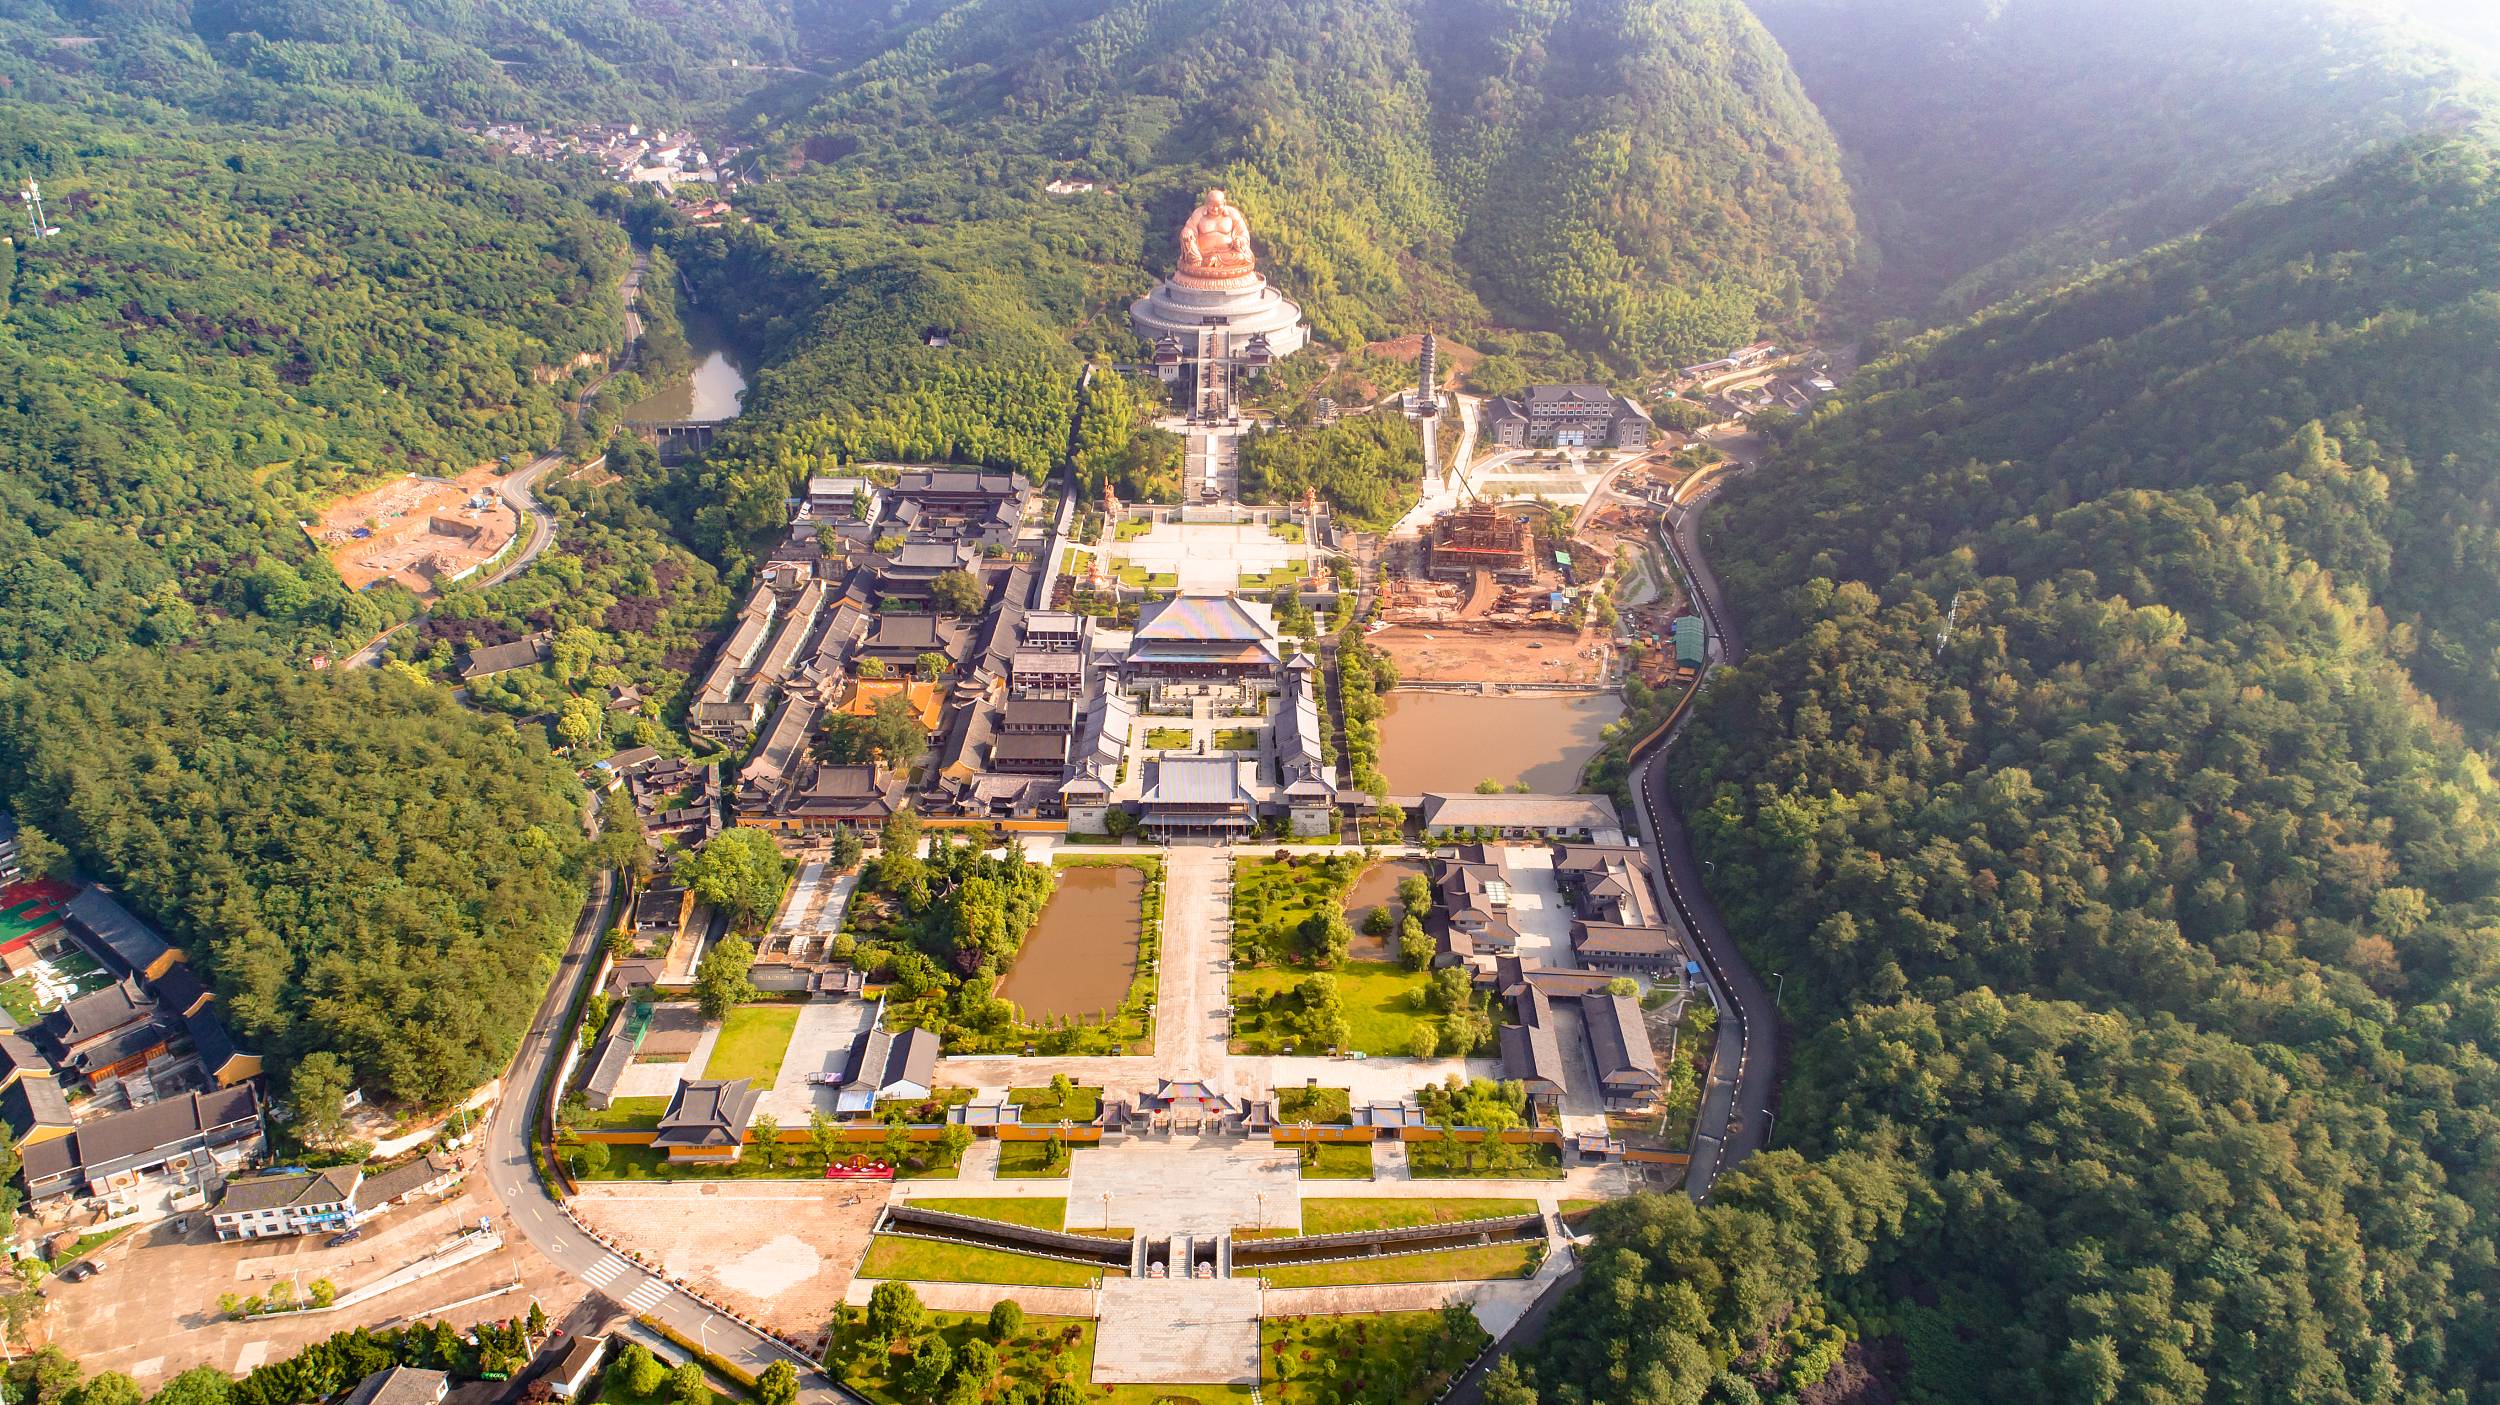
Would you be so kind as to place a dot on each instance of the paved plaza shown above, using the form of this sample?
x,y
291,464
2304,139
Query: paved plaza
x,y
820,1044
1183,1185
1212,556
1178,1330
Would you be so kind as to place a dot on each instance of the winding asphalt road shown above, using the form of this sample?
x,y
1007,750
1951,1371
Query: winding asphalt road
x,y
1736,1111
535,1213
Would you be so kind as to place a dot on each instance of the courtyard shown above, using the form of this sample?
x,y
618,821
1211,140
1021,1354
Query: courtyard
x,y
1218,557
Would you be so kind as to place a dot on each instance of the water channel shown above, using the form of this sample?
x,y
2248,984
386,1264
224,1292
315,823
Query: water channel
x,y
1450,741
714,390
1082,952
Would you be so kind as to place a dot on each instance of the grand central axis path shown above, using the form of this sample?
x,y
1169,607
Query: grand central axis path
x,y
1192,993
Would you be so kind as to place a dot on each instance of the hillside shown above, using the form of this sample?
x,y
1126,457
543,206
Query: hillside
x,y
1601,183
292,62
2089,781
2000,148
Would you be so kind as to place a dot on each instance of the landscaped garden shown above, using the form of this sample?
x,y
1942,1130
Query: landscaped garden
x,y
1336,1161
1325,1216
1377,1008
1236,739
1043,1159
1062,1101
946,929
1326,1106
1515,1258
621,1115
1033,1355
1403,1358
939,1261
937,1159
1297,989
751,1043
1170,739
1486,1160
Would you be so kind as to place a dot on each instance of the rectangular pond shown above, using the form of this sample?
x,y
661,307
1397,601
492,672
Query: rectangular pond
x,y
1450,741
1082,952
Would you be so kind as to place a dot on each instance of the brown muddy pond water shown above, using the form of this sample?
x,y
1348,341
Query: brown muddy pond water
x,y
1082,953
1450,741
1378,887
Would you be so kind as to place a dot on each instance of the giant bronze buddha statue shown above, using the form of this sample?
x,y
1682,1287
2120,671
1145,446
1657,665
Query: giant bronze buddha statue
x,y
1215,246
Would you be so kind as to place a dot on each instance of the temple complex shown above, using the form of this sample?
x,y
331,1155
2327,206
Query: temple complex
x,y
1216,320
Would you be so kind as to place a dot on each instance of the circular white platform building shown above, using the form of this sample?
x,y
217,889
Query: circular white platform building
x,y
1216,315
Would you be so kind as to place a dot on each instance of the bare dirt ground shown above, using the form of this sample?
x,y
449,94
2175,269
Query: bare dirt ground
x,y
1476,654
780,1252
422,530
153,1311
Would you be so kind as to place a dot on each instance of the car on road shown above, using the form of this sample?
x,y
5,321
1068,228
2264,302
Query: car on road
x,y
342,1239
80,1271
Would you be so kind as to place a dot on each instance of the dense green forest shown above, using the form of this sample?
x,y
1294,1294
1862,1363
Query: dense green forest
x,y
232,327
370,63
2003,147
2110,770
359,863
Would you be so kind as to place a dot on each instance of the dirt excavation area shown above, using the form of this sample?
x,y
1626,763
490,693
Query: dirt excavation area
x,y
780,1252
424,533
1480,653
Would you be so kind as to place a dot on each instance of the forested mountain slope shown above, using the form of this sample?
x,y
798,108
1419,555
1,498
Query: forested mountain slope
x,y
286,62
275,278
1641,176
2002,146
2090,779
233,325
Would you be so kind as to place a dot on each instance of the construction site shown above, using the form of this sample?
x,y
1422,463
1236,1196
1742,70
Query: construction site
x,y
1506,594
424,533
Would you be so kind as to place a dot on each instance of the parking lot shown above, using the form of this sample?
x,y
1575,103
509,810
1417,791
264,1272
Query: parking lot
x,y
780,1252
152,1312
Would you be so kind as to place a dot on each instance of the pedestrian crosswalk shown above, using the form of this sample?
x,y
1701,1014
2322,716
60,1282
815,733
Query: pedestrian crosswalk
x,y
604,1272
636,1290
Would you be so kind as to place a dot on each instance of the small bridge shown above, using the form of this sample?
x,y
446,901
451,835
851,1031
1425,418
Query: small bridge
x,y
677,440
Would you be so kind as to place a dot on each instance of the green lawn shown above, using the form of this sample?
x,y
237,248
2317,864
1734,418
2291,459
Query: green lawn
x,y
752,1041
1031,1211
1324,1216
1403,1358
1338,1161
1169,739
1383,1006
1236,739
1514,1259
1285,531
933,1261
1532,1161
1331,1106
1041,1105
623,1115
1032,1160
795,1161
1269,580
1132,529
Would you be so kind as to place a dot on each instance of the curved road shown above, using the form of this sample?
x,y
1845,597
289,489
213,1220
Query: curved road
x,y
1735,1116
536,1214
